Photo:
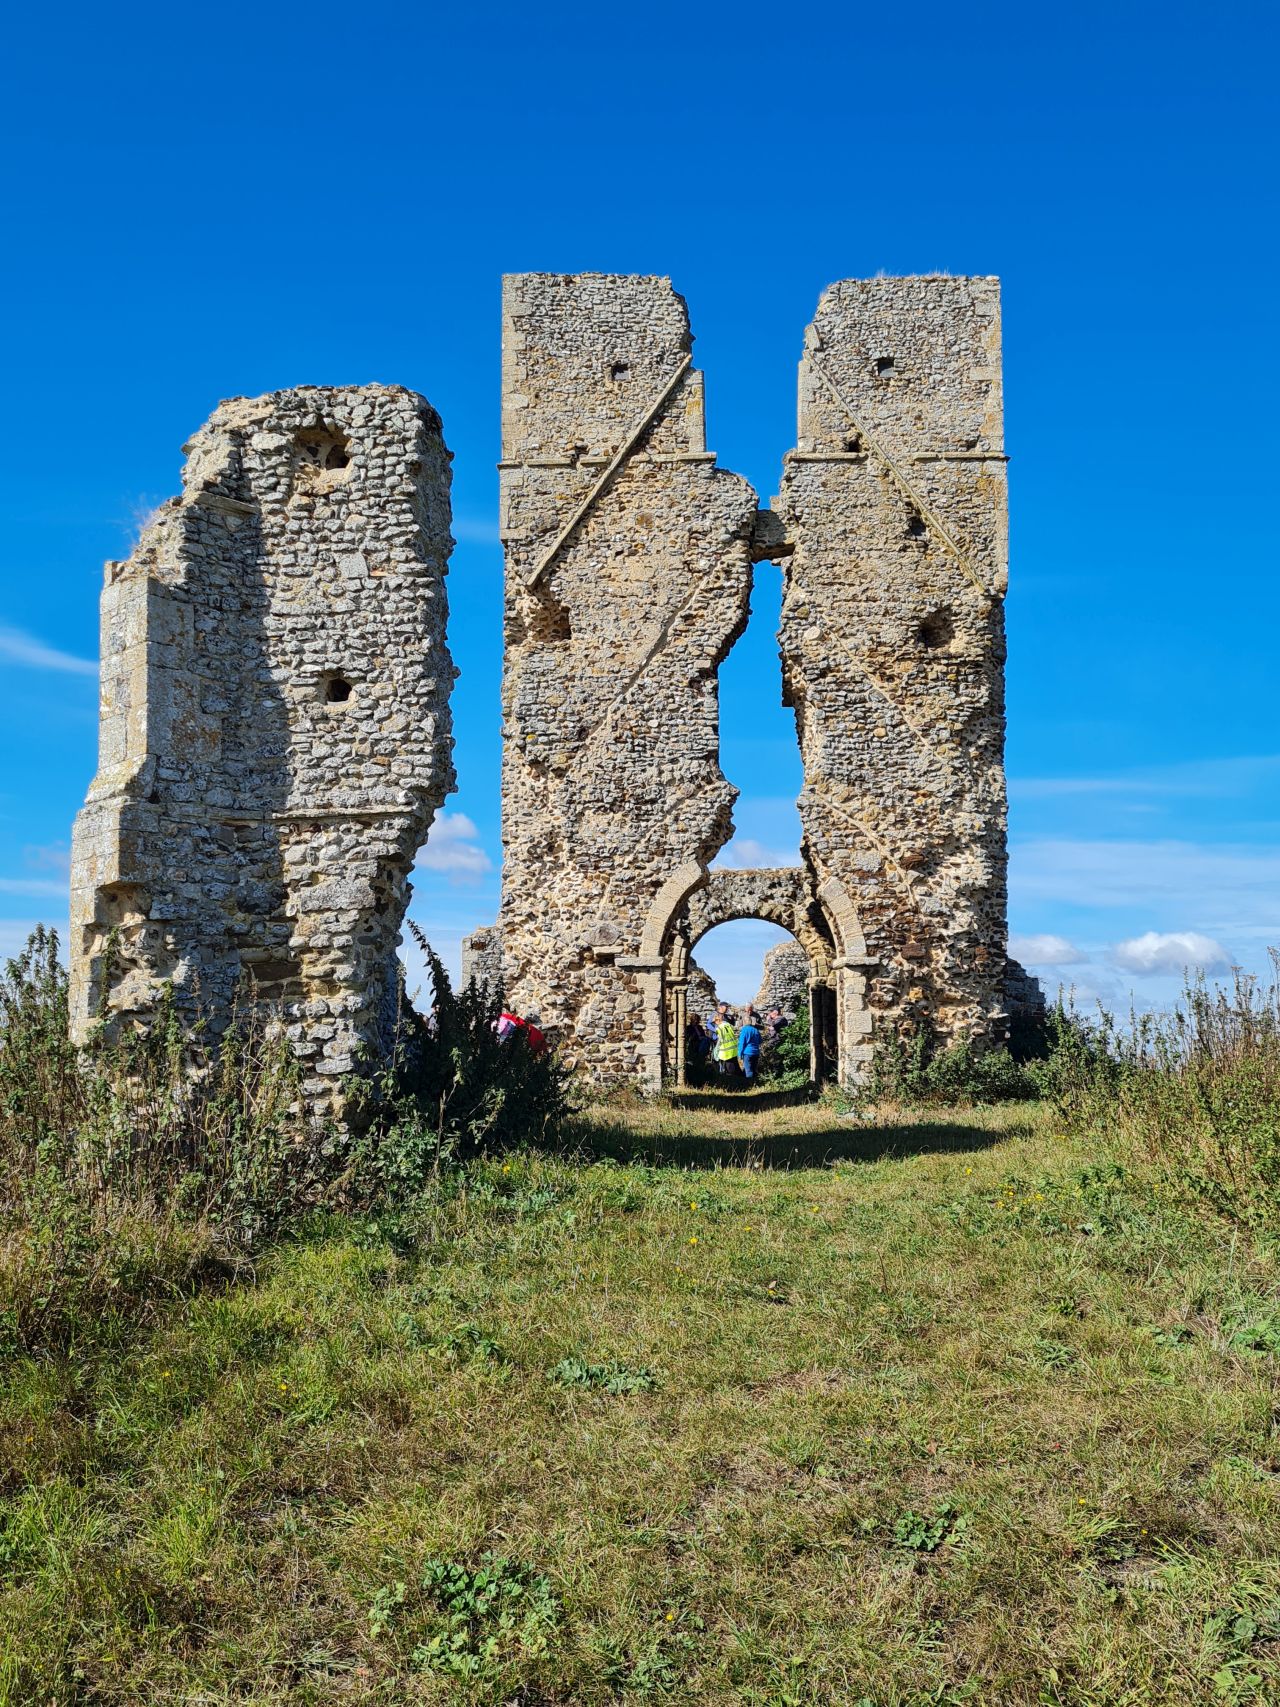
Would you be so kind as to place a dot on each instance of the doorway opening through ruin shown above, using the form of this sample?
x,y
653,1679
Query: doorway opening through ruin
x,y
732,959
750,963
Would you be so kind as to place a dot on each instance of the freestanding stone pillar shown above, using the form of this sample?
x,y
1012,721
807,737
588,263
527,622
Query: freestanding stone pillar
x,y
275,734
893,644
628,575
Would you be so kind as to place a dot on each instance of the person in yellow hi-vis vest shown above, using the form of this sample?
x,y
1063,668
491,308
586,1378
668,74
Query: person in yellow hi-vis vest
x,y
726,1042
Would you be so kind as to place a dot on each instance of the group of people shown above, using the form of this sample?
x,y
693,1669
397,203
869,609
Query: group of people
x,y
734,1049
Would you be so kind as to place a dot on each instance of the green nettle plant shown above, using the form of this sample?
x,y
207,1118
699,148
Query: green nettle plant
x,y
912,1068
790,1057
1197,1092
135,1165
451,1090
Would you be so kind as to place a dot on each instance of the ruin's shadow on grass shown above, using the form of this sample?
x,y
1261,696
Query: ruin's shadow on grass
x,y
593,1138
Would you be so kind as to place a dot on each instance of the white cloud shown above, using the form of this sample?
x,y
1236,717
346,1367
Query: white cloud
x,y
745,853
24,649
452,847
1170,951
1045,950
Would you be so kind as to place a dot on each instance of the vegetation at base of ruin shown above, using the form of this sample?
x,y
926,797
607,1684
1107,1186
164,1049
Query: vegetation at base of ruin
x,y
452,1089
959,1406
1194,1094
149,1165
784,1405
789,1059
915,1069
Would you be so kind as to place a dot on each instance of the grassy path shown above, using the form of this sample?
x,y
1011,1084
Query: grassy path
x,y
963,1416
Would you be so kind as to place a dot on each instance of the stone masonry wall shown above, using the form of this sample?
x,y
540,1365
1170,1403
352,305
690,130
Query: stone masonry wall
x,y
275,734
628,575
892,635
784,980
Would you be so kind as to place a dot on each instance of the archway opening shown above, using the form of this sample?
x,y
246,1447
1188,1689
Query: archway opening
x,y
764,976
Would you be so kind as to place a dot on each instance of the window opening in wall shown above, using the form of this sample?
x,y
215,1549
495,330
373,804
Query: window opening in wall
x,y
732,958
337,690
323,451
936,631
853,443
750,964
915,525
619,371
885,365
759,750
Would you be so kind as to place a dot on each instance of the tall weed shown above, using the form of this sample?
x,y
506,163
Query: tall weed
x,y
1197,1092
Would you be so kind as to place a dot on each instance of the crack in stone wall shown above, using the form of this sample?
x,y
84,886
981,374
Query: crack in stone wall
x,y
611,779
893,636
275,732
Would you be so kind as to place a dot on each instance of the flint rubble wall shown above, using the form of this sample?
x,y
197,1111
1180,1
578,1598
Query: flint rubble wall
x,y
275,733
893,636
624,592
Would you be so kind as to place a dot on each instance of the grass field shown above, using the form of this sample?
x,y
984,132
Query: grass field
x,y
766,1407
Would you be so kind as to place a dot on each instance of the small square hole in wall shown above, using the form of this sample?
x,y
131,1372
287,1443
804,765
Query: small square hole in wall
x,y
335,689
327,449
936,631
619,371
853,443
915,525
886,366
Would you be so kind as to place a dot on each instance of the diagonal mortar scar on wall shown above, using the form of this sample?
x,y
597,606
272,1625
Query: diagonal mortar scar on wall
x,y
924,507
611,469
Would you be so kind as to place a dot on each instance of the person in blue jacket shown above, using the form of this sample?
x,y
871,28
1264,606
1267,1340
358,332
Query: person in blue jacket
x,y
749,1047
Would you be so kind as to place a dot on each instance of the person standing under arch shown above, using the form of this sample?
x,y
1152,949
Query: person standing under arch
x,y
726,1042
749,1047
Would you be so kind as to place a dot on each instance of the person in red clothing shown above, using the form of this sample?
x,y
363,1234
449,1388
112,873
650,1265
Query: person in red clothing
x,y
533,1037
509,1025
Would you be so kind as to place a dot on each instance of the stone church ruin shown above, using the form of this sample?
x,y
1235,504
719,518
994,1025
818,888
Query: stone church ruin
x,y
274,737
275,734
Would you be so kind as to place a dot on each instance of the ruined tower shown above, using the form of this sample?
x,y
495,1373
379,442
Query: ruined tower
x,y
275,734
892,639
628,564
628,574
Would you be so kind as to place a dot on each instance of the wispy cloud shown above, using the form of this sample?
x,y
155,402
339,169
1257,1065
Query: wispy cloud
x,y
1199,778
1211,883
53,856
16,647
32,886
476,530
453,847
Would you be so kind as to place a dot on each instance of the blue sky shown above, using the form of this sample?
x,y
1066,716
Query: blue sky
x,y
202,204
